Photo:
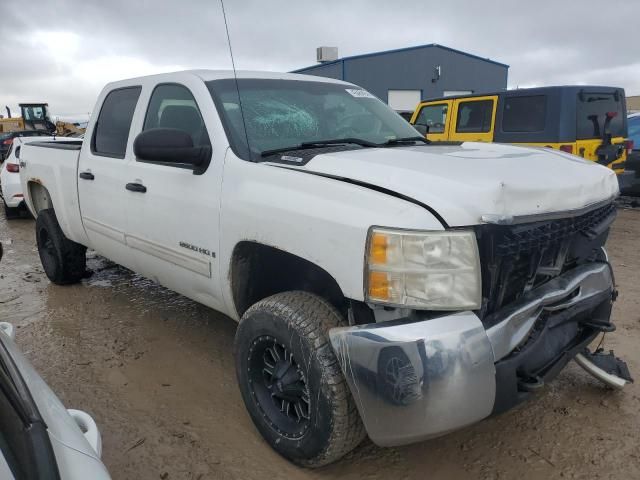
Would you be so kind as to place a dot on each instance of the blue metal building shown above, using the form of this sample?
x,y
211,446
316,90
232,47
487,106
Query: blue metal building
x,y
403,76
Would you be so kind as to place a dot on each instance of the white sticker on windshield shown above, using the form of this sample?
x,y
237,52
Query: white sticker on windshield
x,y
359,93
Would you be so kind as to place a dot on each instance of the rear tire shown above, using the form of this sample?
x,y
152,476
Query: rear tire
x,y
63,260
291,382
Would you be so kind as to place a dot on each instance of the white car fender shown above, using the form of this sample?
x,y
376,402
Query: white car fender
x,y
319,219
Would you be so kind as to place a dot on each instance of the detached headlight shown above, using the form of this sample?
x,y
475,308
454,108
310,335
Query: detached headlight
x,y
426,270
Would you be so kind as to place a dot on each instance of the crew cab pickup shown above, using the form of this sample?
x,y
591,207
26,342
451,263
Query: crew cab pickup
x,y
383,286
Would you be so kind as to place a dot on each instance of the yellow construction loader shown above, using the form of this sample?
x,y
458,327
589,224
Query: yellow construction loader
x,y
35,116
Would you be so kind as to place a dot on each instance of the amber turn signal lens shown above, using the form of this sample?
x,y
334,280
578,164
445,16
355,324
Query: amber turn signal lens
x,y
378,250
379,285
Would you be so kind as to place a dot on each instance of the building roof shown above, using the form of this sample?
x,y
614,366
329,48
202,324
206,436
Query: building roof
x,y
397,50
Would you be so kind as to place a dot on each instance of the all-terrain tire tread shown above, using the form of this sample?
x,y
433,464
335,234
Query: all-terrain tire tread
x,y
311,316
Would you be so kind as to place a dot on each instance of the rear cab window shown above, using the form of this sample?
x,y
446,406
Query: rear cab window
x,y
600,112
111,132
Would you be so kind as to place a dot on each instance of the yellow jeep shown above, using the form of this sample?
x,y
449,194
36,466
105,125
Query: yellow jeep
x,y
587,121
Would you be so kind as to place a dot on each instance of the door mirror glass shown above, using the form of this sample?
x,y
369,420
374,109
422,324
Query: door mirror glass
x,y
172,146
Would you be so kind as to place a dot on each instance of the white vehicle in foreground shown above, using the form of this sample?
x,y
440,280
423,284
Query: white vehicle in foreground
x,y
382,284
39,438
10,187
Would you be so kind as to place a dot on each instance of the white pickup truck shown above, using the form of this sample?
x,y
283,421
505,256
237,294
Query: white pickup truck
x,y
382,285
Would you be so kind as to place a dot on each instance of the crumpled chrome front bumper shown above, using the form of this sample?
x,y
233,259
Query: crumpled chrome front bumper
x,y
415,379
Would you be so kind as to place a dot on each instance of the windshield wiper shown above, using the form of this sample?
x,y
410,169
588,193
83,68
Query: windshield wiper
x,y
403,141
342,141
320,144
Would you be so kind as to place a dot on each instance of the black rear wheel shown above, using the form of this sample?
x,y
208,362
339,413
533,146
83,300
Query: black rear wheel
x,y
63,260
291,382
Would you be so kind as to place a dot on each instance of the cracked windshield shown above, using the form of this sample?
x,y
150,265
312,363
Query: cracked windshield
x,y
280,114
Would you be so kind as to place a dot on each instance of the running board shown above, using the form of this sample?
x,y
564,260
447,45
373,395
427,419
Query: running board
x,y
606,367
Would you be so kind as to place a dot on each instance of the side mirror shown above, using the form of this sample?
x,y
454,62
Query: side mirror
x,y
171,145
422,129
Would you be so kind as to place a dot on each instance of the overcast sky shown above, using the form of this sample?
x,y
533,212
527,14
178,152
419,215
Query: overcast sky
x,y
64,51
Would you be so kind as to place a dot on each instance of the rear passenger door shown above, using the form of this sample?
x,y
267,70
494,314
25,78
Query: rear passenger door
x,y
473,119
101,173
436,117
172,226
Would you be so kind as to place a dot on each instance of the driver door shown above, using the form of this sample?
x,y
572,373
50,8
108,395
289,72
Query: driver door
x,y
172,213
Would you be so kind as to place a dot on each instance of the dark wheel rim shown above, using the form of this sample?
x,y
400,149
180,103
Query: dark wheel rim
x,y
279,387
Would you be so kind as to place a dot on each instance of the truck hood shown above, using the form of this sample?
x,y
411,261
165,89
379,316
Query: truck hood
x,y
464,183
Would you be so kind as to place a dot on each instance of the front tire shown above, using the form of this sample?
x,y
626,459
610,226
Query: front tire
x,y
63,260
291,382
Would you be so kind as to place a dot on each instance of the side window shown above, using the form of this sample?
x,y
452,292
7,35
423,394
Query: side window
x,y
173,106
112,128
474,116
524,114
433,116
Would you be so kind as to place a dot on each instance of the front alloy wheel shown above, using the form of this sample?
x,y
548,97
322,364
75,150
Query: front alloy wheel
x,y
291,382
279,387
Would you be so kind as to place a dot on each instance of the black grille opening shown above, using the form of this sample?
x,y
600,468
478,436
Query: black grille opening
x,y
517,258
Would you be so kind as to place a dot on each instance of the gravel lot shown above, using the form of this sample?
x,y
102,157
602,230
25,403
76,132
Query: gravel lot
x,y
156,372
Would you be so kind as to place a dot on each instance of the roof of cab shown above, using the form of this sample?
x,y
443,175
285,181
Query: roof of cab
x,y
207,75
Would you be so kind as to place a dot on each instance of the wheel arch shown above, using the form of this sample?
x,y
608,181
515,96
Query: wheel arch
x,y
39,196
258,271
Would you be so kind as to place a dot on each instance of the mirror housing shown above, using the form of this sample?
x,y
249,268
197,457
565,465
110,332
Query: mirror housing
x,y
171,146
422,129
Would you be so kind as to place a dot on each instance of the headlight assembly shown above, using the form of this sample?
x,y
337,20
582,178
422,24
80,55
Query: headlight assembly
x,y
424,270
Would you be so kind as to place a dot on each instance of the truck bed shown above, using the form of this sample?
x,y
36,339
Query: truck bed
x,y
53,166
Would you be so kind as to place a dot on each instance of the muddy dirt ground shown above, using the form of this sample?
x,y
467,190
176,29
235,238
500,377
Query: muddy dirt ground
x,y
156,372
